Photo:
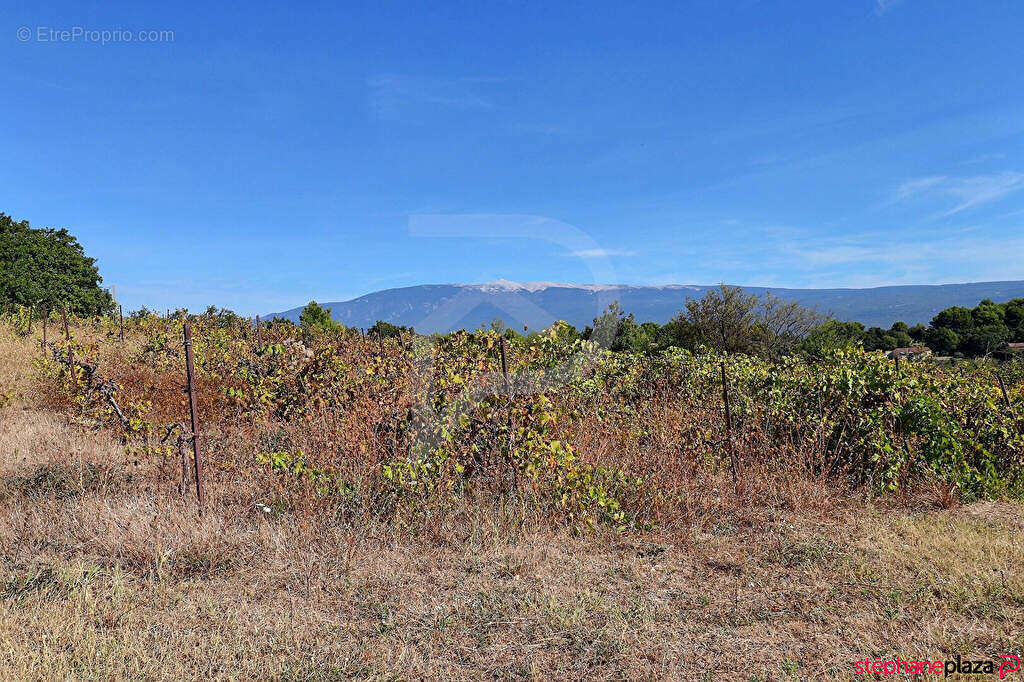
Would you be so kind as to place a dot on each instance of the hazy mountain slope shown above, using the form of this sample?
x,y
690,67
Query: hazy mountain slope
x,y
443,307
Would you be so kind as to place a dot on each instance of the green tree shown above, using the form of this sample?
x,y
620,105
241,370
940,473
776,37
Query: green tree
x,y
564,332
224,318
649,336
678,333
387,330
897,336
1013,318
49,267
957,318
498,325
833,335
987,314
781,326
729,320
632,337
876,338
942,340
618,331
1013,313
724,319
986,339
606,327
314,316
901,333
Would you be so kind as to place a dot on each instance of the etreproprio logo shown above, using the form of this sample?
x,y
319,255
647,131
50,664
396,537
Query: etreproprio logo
x,y
877,666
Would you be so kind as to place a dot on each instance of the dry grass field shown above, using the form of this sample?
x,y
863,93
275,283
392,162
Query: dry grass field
x,y
107,573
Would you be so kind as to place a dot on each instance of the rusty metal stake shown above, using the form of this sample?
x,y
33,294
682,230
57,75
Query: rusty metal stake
x,y
197,464
728,431
504,362
509,424
1006,396
64,316
182,454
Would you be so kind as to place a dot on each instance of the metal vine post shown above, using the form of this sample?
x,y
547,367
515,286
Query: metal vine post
x,y
197,464
1006,395
728,432
508,397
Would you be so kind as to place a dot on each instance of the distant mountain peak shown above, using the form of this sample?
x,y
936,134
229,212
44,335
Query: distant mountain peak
x,y
508,285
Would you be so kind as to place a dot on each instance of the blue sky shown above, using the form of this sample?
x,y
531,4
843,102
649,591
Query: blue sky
x,y
270,154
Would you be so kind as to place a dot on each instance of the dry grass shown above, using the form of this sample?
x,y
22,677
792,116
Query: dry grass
x,y
108,574
16,353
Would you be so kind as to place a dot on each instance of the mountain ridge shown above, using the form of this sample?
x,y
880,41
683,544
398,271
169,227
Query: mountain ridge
x,y
443,307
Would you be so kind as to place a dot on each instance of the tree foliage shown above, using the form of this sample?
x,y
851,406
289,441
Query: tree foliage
x,y
983,330
731,321
386,330
725,320
48,267
315,316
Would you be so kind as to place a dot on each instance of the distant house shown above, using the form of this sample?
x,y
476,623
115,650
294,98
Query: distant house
x,y
1015,347
910,353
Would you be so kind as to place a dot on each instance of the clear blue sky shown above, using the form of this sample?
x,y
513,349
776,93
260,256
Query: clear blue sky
x,y
269,154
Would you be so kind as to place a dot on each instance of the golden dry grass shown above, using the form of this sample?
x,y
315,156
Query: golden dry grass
x,y
16,353
108,574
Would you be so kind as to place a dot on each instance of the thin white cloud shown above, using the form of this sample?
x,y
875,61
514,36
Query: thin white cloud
x,y
968,192
985,188
793,257
919,185
601,253
984,158
391,95
959,252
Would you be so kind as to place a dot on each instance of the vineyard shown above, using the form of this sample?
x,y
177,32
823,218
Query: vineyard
x,y
407,427
492,506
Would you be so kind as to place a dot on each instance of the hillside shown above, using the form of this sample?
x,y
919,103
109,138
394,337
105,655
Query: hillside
x,y
444,307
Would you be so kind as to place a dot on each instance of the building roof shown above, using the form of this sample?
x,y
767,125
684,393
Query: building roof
x,y
911,350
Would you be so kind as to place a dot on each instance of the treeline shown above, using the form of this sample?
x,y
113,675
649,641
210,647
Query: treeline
x,y
987,329
728,320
